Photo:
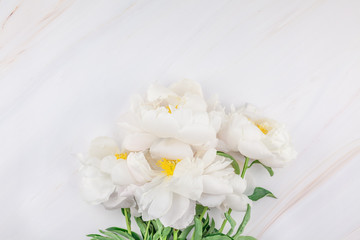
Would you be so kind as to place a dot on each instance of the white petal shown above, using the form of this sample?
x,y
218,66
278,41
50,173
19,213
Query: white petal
x,y
216,118
134,212
170,149
237,202
143,194
287,154
197,134
89,160
130,121
187,186
138,141
156,92
103,146
255,150
96,190
108,163
90,171
210,200
139,167
194,102
219,167
161,202
178,209
187,180
186,86
209,157
250,184
121,175
116,200
187,218
215,185
276,139
238,184
160,123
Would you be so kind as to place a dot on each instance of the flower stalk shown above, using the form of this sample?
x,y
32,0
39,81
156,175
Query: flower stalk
x,y
127,219
147,230
175,234
245,167
203,213
225,221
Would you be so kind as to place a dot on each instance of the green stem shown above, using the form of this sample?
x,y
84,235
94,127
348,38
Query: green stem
x,y
175,234
203,213
245,167
147,230
201,217
128,224
224,222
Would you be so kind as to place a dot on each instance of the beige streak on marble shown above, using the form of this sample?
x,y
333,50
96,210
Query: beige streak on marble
x,y
338,163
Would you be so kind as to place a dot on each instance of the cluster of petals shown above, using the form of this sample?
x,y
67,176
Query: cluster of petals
x,y
167,162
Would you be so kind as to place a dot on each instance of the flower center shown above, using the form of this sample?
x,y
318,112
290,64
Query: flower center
x,y
169,109
264,127
121,155
168,165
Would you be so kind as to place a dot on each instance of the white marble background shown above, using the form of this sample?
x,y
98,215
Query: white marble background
x,y
68,68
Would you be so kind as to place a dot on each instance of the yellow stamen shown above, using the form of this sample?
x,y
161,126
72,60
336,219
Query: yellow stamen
x,y
121,155
264,127
168,165
168,108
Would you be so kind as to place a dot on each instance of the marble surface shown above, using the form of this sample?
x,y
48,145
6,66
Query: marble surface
x,y
68,69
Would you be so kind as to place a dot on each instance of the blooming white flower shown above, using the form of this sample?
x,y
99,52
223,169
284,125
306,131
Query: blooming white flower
x,y
172,196
257,137
178,112
110,176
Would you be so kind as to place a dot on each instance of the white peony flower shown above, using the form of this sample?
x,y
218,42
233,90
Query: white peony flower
x,y
257,137
110,176
172,196
178,112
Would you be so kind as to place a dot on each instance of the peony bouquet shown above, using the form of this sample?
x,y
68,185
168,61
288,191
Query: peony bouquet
x,y
181,165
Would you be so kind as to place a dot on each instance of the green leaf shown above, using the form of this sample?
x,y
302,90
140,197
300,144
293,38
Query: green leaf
x,y
244,222
93,235
141,224
185,232
212,227
205,223
198,229
232,223
199,209
113,236
123,211
158,225
245,238
122,232
101,238
166,232
157,236
269,169
217,236
234,163
260,193
135,235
